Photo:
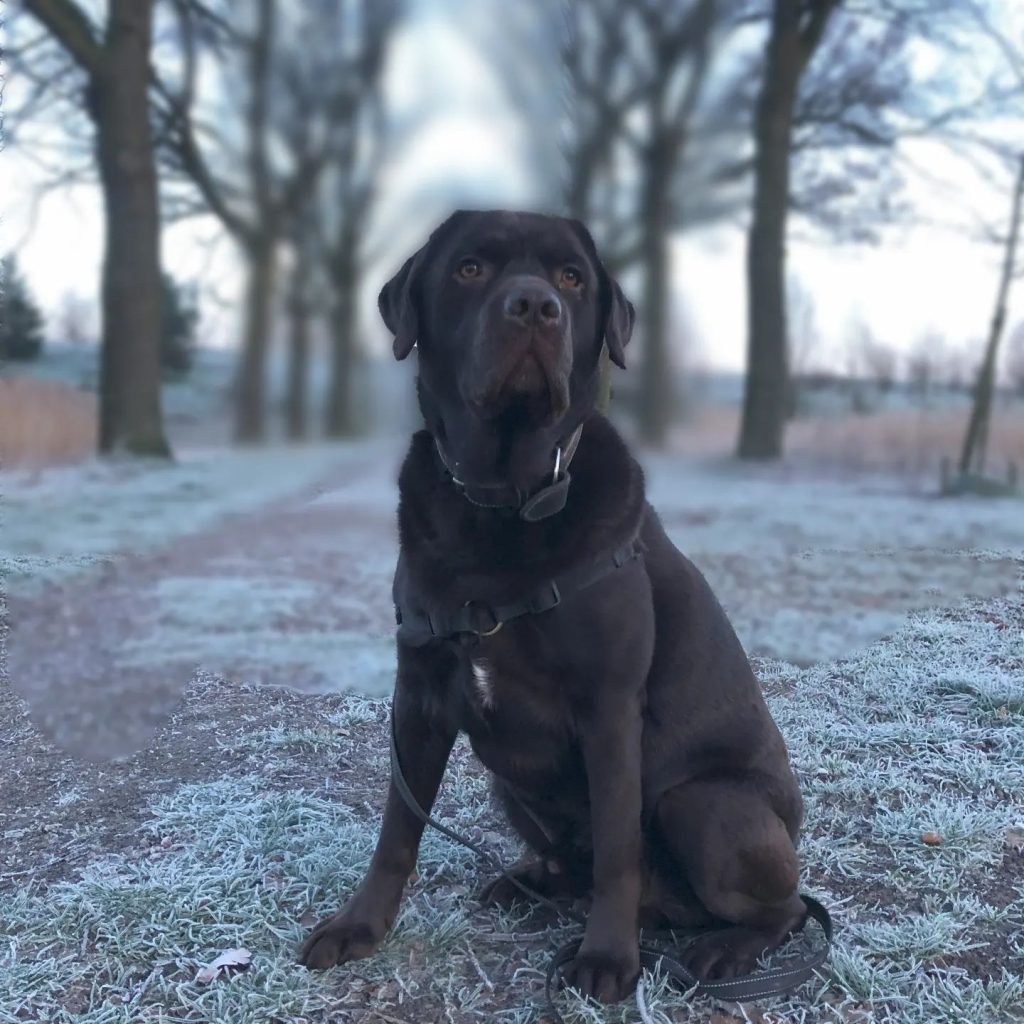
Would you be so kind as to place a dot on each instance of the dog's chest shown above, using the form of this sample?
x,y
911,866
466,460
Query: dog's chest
x,y
498,683
517,719
482,683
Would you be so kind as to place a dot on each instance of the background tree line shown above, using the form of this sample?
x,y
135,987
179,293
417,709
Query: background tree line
x,y
644,118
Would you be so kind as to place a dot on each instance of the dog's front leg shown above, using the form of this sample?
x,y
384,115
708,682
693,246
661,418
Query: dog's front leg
x,y
608,962
358,928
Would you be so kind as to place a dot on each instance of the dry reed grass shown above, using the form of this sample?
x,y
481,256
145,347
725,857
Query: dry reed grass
x,y
45,422
905,441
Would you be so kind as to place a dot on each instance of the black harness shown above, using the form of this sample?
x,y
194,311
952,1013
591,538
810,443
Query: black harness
x,y
476,619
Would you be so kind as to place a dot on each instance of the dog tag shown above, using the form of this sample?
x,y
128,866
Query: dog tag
x,y
547,501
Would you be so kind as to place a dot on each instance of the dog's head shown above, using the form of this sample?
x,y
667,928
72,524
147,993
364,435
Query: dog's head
x,y
509,312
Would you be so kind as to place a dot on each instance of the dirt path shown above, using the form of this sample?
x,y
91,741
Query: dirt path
x,y
102,656
295,592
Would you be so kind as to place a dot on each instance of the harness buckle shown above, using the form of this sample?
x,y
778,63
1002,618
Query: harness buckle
x,y
483,628
546,599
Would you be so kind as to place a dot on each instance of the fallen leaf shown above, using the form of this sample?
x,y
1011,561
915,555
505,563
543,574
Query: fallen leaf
x,y
1015,838
1003,712
308,919
237,959
931,838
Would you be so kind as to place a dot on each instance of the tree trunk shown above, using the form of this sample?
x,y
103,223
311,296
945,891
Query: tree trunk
x,y
656,399
130,412
296,403
766,395
340,418
251,394
795,33
972,455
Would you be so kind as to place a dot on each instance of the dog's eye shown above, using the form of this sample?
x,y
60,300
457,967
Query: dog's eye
x,y
570,277
469,269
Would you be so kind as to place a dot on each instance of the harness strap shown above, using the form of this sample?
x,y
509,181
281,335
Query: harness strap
x,y
479,619
653,952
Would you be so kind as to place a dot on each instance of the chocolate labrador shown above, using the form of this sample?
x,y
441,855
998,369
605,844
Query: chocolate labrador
x,y
544,612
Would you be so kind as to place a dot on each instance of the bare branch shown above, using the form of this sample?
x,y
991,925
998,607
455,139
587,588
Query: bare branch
x,y
73,30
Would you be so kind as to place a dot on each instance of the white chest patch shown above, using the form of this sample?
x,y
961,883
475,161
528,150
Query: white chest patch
x,y
484,686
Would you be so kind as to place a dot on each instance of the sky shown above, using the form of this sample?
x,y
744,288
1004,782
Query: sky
x,y
921,280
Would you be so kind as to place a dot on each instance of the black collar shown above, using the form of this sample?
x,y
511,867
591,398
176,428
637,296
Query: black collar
x,y
545,502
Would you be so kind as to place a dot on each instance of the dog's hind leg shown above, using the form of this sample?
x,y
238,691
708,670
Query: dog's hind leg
x,y
739,858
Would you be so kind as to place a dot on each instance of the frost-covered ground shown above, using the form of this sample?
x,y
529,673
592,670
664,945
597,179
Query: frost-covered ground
x,y
910,757
254,808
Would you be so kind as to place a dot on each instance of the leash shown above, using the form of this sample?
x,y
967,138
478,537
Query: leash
x,y
756,985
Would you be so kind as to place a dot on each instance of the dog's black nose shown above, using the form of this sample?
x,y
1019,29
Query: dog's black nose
x,y
533,304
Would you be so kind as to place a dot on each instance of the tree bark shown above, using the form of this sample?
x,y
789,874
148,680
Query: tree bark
x,y
296,402
972,455
766,392
250,421
131,419
260,242
340,418
656,373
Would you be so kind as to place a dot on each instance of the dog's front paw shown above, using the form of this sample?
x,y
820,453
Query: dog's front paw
x,y
345,935
727,952
608,976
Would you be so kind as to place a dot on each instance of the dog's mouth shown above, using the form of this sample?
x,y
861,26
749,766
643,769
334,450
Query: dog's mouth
x,y
532,380
528,377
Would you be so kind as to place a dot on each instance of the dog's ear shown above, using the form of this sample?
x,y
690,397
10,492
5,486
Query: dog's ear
x,y
398,306
618,321
617,313
398,300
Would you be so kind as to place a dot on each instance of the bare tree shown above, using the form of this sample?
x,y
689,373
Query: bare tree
x,y
239,188
796,31
660,107
680,48
328,224
306,74
972,454
300,308
359,140
116,69
636,75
